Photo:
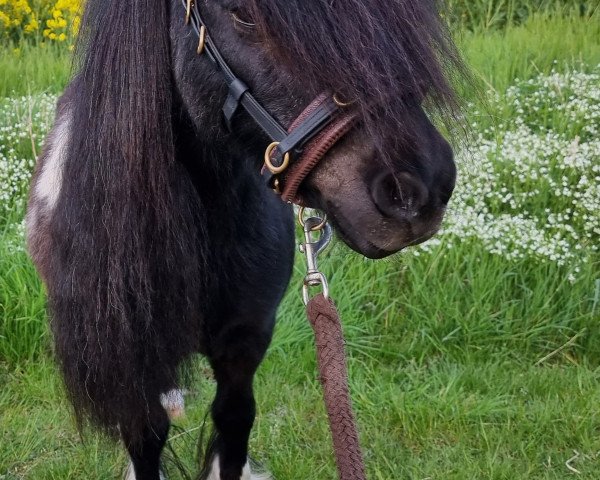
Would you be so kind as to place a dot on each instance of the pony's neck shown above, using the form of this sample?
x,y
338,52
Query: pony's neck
x,y
226,178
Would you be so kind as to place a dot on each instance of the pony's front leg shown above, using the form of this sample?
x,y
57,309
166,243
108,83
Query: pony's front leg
x,y
235,356
145,447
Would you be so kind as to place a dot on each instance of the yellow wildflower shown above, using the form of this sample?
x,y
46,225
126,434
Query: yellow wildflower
x,y
32,26
56,20
4,20
64,21
16,19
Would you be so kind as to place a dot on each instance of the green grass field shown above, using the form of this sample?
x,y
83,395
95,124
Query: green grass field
x,y
476,356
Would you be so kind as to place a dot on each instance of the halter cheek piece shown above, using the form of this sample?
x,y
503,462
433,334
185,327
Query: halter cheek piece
x,y
293,153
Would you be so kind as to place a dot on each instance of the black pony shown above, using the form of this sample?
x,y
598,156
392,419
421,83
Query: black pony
x,y
150,222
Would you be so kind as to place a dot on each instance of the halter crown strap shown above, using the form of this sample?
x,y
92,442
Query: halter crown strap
x,y
239,95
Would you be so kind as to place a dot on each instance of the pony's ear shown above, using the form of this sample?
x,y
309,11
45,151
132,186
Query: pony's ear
x,y
126,253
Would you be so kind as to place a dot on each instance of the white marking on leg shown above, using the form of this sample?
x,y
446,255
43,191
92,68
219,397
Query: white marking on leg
x,y
247,474
49,182
215,470
130,474
173,403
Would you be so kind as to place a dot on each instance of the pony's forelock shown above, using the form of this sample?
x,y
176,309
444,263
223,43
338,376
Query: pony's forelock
x,y
384,55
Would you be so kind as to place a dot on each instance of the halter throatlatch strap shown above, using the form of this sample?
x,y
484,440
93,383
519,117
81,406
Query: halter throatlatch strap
x,y
329,338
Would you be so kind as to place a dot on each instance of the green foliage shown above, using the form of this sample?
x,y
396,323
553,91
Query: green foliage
x,y
481,15
465,362
543,43
23,334
30,69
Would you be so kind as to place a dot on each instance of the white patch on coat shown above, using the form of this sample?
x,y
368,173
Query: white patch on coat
x,y
215,472
49,182
31,221
173,403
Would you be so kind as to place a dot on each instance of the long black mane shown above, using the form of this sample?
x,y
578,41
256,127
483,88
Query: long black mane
x,y
131,257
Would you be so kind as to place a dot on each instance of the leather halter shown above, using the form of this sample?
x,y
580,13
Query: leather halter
x,y
295,152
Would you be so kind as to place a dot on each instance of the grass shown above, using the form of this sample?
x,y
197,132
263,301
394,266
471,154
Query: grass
x,y
486,15
463,364
28,69
544,42
471,383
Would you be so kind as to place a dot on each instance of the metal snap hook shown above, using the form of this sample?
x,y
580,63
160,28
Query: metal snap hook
x,y
311,247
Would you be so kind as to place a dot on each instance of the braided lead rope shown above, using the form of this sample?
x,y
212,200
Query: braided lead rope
x,y
329,338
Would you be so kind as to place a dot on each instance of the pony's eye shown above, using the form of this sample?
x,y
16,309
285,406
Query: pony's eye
x,y
241,20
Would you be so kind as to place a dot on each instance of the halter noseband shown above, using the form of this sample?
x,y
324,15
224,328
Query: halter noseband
x,y
295,152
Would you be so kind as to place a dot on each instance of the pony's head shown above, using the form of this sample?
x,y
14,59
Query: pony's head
x,y
386,184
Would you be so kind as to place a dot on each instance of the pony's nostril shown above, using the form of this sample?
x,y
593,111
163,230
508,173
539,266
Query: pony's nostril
x,y
398,195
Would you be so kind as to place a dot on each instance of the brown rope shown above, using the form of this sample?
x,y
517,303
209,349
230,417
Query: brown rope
x,y
331,358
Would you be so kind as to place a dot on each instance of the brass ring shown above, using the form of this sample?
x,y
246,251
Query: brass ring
x,y
188,11
272,168
339,102
201,40
316,228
